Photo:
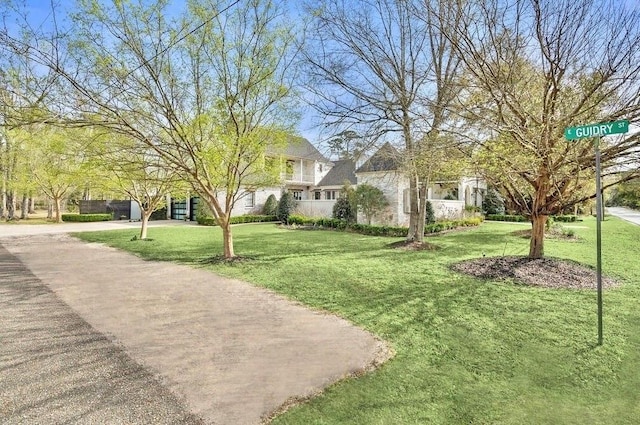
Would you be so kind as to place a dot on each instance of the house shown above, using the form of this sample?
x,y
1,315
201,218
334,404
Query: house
x,y
315,183
327,190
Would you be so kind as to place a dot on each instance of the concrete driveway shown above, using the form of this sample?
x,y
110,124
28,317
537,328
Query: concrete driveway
x,y
625,214
89,334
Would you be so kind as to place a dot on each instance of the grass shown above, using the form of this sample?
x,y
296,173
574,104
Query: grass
x,y
468,351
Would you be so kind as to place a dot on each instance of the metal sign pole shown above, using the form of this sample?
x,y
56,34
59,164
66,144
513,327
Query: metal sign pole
x,y
599,238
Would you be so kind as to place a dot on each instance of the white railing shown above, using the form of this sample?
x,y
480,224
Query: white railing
x,y
299,178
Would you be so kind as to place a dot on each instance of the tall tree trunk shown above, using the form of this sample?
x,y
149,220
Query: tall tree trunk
x,y
49,209
227,237
32,205
57,209
412,235
536,246
24,209
3,201
422,203
144,218
11,205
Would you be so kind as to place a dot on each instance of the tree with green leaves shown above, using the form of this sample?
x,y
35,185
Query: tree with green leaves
x,y
370,200
132,169
58,161
534,68
207,88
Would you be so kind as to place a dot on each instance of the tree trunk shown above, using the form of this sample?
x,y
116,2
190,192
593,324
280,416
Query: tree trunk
x,y
227,237
536,246
57,210
11,205
32,205
422,203
49,209
145,221
412,235
24,209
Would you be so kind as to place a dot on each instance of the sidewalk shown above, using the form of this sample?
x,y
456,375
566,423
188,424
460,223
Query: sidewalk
x,y
233,353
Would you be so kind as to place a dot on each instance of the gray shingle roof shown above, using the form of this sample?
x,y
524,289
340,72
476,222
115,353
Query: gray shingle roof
x,y
387,158
298,147
343,170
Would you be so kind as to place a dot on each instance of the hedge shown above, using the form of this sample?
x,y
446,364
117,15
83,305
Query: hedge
x,y
86,217
210,221
521,218
371,230
507,217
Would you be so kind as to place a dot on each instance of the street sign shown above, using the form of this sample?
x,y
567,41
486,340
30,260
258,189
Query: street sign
x,y
596,130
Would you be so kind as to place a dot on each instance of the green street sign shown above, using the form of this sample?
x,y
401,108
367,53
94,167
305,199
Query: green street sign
x,y
596,130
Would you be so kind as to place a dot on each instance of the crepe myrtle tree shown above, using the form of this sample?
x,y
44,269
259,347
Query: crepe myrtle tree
x,y
531,72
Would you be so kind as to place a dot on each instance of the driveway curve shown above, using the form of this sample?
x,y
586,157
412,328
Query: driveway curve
x,y
228,352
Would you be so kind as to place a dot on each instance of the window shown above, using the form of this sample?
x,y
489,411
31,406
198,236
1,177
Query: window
x,y
297,195
250,200
317,195
330,194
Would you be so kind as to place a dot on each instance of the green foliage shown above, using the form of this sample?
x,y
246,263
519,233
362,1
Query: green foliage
x,y
429,216
270,206
286,205
372,230
86,217
507,217
239,219
493,202
342,210
345,207
370,200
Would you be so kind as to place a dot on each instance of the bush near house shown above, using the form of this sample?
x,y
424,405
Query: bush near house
x,y
86,217
270,206
372,230
210,221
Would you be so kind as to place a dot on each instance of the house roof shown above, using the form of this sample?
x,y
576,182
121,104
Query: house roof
x,y
298,147
343,170
387,158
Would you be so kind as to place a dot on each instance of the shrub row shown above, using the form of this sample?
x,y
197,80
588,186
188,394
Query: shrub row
x,y
507,217
210,221
392,231
86,217
521,218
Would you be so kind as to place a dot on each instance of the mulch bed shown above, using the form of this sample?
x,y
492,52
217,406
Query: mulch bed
x,y
545,272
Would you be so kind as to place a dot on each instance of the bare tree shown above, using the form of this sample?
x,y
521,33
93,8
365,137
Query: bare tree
x,y
536,67
385,69
208,90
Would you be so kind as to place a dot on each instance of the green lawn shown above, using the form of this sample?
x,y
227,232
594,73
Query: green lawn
x,y
468,351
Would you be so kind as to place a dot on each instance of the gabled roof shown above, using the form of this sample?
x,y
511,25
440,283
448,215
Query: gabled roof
x,y
387,158
343,170
298,147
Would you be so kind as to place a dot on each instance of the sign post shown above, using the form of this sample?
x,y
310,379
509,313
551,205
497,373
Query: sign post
x,y
596,131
